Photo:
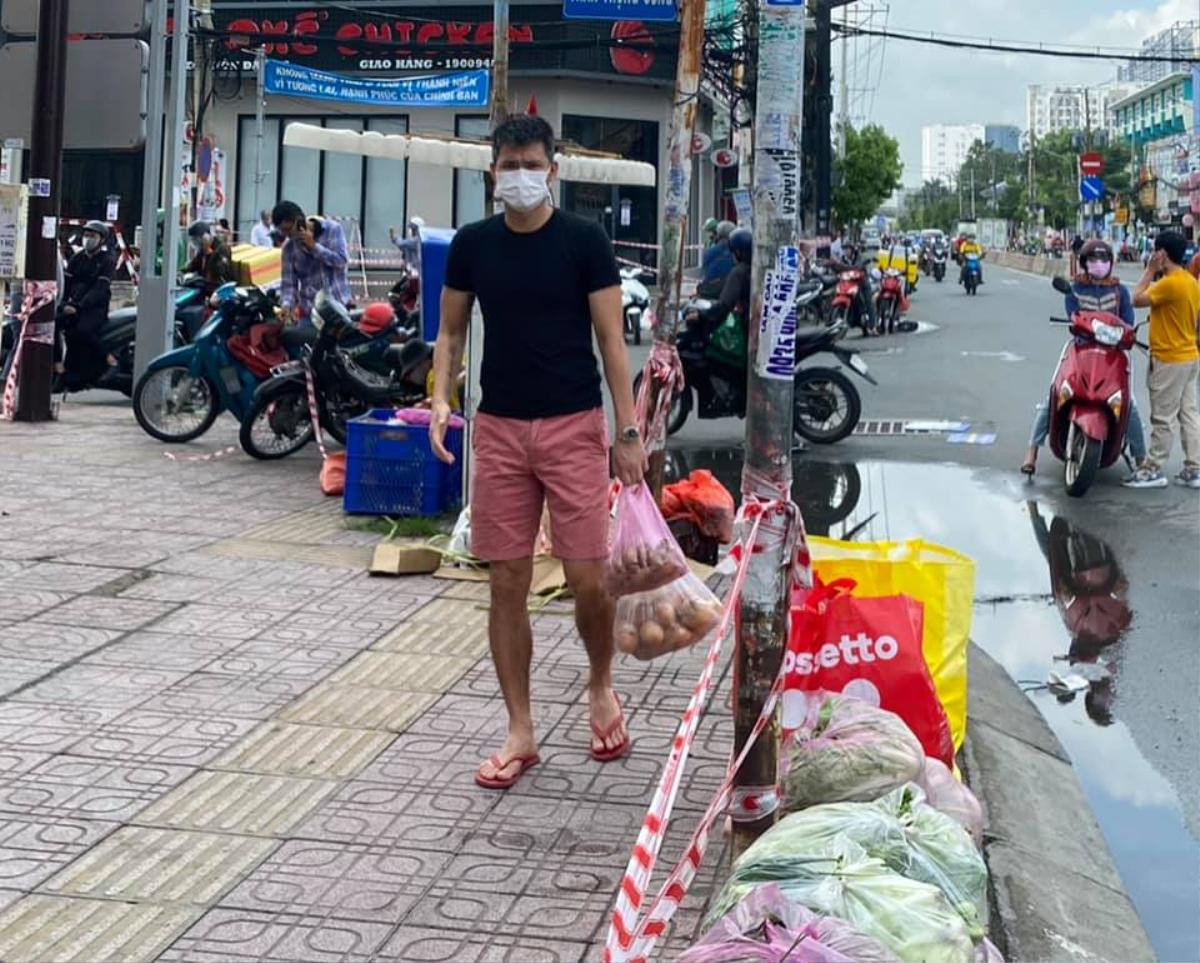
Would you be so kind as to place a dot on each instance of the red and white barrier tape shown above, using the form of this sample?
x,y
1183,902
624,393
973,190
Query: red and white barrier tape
x,y
313,413
636,264
35,296
627,938
631,939
665,369
655,247
210,456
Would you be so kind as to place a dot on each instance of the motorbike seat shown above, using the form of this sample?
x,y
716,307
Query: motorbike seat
x,y
294,338
811,335
392,355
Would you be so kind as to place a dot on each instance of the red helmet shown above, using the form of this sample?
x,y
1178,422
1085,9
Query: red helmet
x,y
376,318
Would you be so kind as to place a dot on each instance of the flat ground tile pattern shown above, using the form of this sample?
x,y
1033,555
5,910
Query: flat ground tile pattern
x,y
222,740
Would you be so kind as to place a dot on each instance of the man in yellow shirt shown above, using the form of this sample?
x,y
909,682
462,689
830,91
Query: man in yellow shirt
x,y
1174,302
969,246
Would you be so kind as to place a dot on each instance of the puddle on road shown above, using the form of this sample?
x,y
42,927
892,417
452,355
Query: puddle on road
x,y
1050,598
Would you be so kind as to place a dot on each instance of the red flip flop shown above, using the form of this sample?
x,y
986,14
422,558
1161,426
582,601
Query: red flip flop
x,y
616,752
506,782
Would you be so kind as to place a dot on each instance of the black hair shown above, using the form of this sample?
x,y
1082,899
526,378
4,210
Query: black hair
x,y
286,211
521,130
1173,244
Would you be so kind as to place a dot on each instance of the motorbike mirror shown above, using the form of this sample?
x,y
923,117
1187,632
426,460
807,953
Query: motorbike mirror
x,y
648,278
1061,285
330,310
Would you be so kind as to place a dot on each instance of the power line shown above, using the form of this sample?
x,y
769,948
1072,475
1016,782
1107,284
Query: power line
x,y
989,45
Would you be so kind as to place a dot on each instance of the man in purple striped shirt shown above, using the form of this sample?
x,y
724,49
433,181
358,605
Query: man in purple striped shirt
x,y
314,259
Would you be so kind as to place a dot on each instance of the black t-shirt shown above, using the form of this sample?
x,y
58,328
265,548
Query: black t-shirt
x,y
533,289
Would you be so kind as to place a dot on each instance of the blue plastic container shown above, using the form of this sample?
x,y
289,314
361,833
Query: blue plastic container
x,y
435,247
391,470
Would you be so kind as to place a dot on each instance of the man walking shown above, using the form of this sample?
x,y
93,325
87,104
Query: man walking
x,y
1174,302
545,281
314,259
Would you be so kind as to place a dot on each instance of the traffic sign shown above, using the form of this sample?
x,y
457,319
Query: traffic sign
x,y
1121,215
1091,188
1091,164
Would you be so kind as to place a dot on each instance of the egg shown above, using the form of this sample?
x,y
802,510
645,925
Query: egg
x,y
651,634
626,637
664,614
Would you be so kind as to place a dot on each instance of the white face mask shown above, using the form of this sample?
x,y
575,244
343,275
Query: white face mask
x,y
522,190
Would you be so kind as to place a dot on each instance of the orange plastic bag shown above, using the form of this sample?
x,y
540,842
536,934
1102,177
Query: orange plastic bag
x,y
333,474
702,500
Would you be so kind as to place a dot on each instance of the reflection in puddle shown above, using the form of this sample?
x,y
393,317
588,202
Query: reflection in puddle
x,y
1050,598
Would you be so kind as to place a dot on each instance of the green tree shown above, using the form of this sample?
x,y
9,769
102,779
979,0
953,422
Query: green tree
x,y
867,175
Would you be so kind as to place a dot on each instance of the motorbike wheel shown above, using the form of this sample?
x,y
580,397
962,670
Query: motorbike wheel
x,y
174,406
278,423
679,410
1082,462
827,406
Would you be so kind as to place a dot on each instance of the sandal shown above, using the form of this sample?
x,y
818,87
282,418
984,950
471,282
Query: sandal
x,y
505,782
1028,468
600,735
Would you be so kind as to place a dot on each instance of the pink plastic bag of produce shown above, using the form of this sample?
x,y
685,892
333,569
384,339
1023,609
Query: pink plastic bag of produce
x,y
644,555
766,926
947,795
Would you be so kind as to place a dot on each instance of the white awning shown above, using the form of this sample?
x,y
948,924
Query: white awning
x,y
466,155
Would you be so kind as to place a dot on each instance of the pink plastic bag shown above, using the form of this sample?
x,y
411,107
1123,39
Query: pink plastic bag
x,y
766,926
644,555
947,795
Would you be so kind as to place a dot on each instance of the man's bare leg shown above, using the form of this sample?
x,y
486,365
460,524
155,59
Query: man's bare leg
x,y
512,650
594,619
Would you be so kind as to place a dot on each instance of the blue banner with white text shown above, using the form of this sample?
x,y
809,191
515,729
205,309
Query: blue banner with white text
x,y
468,88
619,9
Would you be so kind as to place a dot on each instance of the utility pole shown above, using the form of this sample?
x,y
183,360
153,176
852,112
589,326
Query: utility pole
x,y
202,50
41,252
260,109
156,309
767,475
844,90
820,147
500,47
972,192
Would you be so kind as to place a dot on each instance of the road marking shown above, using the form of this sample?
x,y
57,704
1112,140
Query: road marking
x,y
1002,355
1011,281
972,438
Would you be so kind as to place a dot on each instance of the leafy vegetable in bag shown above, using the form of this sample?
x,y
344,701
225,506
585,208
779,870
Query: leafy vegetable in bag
x,y
940,852
947,795
912,919
766,926
846,750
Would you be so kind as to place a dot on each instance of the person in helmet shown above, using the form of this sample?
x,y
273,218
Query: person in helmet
x,y
969,246
210,257
1093,289
735,293
83,310
717,263
709,232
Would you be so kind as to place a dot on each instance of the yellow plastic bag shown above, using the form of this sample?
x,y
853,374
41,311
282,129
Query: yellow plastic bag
x,y
941,578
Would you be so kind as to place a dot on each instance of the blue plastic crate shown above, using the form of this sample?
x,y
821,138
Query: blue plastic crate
x,y
391,470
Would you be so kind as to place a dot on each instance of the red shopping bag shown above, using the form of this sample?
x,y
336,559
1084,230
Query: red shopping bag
x,y
869,648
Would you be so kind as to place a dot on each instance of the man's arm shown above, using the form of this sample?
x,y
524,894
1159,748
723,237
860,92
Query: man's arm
x,y
447,362
607,319
287,278
333,251
99,293
1141,293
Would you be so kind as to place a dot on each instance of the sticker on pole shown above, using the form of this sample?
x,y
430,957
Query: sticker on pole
x,y
776,356
661,10
39,187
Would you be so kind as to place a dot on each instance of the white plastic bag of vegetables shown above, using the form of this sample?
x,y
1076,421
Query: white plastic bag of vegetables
x,y
912,919
938,851
947,795
767,927
846,750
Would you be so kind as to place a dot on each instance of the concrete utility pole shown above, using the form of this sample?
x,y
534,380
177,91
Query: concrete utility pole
x,y
844,90
156,309
202,48
260,110
41,252
762,621
500,46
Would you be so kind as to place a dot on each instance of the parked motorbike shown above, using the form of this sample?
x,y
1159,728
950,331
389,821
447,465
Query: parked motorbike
x,y
827,406
279,422
891,297
972,274
635,300
850,300
1089,395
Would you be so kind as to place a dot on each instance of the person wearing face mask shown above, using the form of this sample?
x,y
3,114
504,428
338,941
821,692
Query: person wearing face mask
x,y
314,259
210,257
83,310
1093,289
546,281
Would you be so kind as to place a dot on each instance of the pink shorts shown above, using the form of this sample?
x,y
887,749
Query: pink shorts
x,y
518,464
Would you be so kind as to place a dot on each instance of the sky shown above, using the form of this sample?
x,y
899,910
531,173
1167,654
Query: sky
x,y
924,84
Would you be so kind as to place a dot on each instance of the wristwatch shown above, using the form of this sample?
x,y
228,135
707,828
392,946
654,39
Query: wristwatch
x,y
629,434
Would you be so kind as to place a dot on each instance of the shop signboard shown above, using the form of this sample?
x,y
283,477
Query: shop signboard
x,y
349,38
462,89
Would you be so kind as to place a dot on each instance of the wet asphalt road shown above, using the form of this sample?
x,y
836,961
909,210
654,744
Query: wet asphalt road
x,y
1130,556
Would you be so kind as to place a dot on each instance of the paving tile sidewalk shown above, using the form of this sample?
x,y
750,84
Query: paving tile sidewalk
x,y
221,740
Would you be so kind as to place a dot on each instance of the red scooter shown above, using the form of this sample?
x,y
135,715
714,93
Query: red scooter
x,y
848,306
891,300
1089,395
